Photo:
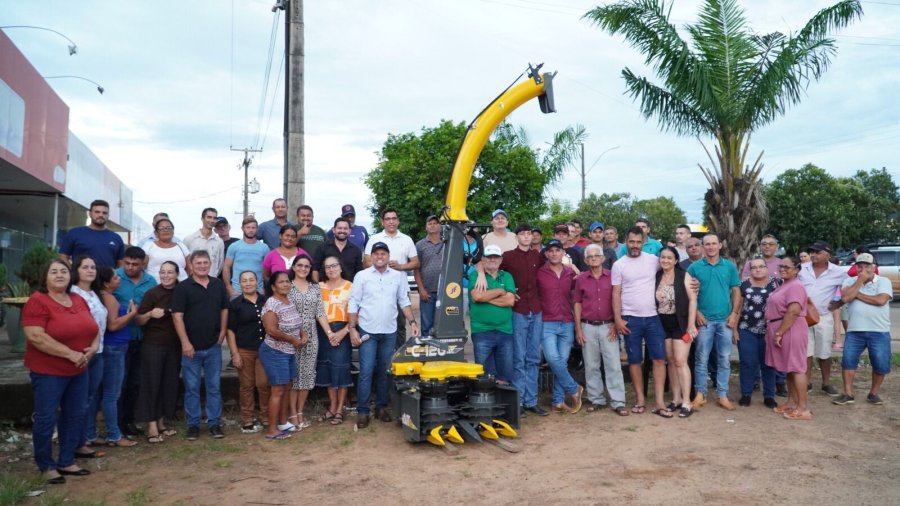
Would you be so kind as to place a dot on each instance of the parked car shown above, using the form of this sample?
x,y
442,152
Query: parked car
x,y
888,259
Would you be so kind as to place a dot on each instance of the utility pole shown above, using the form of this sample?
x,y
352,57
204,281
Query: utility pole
x,y
294,171
246,165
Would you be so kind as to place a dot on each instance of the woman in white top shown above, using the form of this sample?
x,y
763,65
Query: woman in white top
x,y
86,284
163,249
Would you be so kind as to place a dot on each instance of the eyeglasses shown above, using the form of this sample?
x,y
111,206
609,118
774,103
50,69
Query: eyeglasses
x,y
332,266
165,229
758,267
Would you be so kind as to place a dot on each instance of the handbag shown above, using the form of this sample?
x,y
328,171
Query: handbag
x,y
812,314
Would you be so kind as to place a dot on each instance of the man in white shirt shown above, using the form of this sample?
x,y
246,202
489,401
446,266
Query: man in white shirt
x,y
376,294
207,239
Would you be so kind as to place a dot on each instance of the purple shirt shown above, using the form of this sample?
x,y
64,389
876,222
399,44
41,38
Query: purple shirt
x,y
556,294
595,295
772,265
523,265
637,276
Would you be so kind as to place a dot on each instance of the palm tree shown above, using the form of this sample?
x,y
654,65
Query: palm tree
x,y
726,82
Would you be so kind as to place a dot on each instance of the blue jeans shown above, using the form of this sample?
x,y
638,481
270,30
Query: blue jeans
x,y
95,379
557,343
528,330
752,350
720,334
495,351
210,360
374,358
426,312
113,375
59,401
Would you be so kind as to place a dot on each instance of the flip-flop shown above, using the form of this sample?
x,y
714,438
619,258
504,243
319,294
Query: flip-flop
x,y
797,415
685,412
638,409
622,411
279,437
783,408
337,419
663,412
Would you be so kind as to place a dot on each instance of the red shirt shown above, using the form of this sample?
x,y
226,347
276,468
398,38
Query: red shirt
x,y
595,295
523,265
556,293
73,327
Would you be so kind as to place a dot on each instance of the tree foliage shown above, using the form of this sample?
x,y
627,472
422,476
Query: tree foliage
x,y
808,204
725,82
619,210
414,171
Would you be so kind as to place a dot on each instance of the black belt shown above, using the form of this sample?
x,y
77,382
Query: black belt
x,y
597,322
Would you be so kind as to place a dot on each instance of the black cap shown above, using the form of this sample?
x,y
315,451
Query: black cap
x,y
555,243
821,246
380,245
221,219
348,210
561,229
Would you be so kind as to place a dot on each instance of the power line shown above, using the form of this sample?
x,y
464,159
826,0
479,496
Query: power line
x,y
272,103
261,113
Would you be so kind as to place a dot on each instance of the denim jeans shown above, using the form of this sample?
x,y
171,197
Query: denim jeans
x,y
557,343
752,352
333,362
528,330
495,350
95,380
59,401
598,349
720,334
426,312
374,360
113,375
210,360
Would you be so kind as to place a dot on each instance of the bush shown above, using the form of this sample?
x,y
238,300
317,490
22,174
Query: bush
x,y
33,262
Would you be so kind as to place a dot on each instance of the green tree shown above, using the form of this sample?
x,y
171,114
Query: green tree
x,y
726,83
414,170
621,210
808,204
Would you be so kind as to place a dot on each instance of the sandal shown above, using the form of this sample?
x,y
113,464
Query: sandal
x,y
122,443
168,432
155,439
672,407
638,409
685,412
595,407
304,423
337,419
663,412
328,415
622,411
282,435
783,408
797,415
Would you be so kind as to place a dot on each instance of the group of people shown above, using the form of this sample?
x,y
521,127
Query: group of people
x,y
112,327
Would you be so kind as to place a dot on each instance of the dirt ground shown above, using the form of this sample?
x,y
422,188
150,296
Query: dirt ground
x,y
846,455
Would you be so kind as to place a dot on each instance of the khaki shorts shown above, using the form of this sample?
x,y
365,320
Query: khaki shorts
x,y
821,336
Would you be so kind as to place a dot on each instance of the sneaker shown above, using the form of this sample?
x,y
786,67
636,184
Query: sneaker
x,y
251,428
770,402
287,427
830,390
744,400
216,432
874,399
537,410
781,390
193,433
844,399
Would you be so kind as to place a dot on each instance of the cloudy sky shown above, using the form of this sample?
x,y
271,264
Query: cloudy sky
x,y
184,83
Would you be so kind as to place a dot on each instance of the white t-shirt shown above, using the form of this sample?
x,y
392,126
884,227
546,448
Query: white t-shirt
x,y
637,275
156,256
401,246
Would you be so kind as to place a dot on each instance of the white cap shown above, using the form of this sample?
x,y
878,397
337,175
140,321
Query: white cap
x,y
492,251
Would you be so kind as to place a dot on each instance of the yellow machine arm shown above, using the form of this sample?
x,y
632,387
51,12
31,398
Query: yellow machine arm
x,y
481,129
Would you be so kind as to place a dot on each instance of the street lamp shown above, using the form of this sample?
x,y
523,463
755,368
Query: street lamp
x,y
584,172
95,83
73,48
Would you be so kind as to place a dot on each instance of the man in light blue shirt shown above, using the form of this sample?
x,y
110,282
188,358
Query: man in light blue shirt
x,y
244,255
376,294
651,245
269,232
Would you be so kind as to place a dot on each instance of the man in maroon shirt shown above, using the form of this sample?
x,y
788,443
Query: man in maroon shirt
x,y
523,263
596,333
555,282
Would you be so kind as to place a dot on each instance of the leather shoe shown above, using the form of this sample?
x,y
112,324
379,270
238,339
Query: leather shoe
x,y
80,472
726,404
56,480
383,414
699,401
744,400
539,411
575,406
362,421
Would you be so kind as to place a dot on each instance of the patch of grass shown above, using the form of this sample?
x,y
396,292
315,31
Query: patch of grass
x,y
14,488
140,496
631,428
345,440
223,464
57,499
895,359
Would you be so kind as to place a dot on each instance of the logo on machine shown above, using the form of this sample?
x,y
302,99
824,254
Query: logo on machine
x,y
452,311
420,351
407,421
453,290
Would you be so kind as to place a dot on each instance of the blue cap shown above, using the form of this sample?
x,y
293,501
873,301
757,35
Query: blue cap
x,y
595,225
499,211
555,243
380,245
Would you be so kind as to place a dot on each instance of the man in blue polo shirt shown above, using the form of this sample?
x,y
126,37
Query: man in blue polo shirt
x,y
245,255
718,307
94,240
651,245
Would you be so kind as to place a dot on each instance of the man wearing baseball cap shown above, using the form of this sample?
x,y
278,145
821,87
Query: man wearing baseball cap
x,y
359,236
821,278
492,316
868,297
500,235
